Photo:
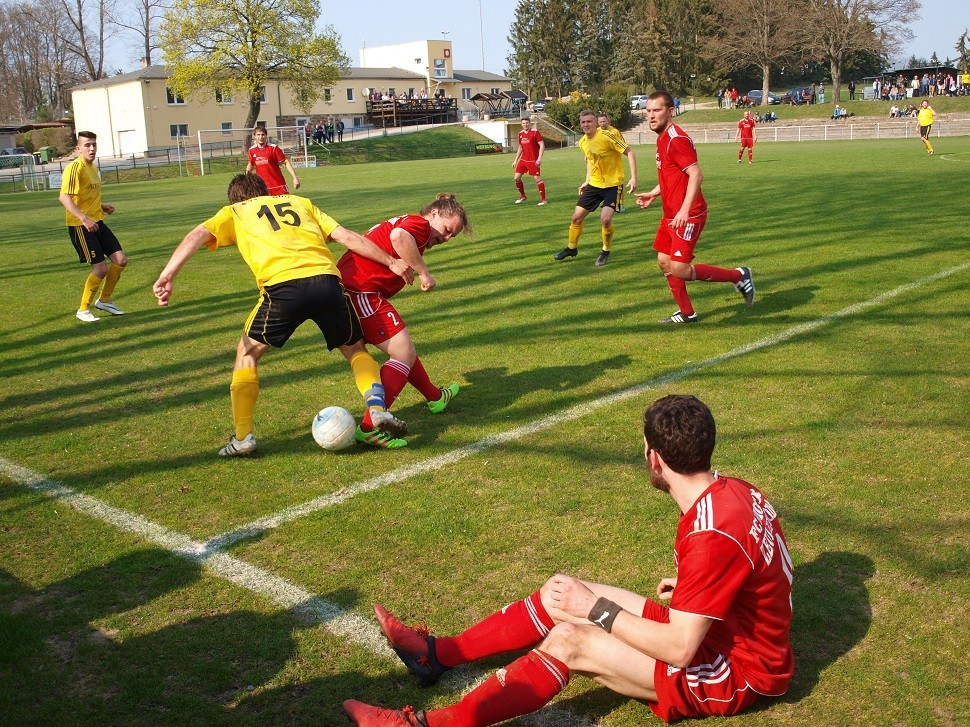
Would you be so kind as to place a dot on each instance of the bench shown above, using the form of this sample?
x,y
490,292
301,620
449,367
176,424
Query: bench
x,y
489,148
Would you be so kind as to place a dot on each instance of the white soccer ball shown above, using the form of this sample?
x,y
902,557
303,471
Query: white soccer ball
x,y
333,428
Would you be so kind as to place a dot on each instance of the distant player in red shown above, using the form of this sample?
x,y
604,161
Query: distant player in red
x,y
684,213
371,285
528,159
265,160
747,135
722,643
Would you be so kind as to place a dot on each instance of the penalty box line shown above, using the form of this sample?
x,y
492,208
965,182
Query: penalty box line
x,y
270,522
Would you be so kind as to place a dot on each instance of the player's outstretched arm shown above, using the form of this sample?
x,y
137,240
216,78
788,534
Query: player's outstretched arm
x,y
187,248
645,199
365,248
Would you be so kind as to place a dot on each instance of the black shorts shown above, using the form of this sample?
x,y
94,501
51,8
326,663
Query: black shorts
x,y
592,197
283,307
924,131
93,247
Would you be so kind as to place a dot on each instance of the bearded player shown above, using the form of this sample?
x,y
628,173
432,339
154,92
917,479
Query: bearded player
x,y
684,213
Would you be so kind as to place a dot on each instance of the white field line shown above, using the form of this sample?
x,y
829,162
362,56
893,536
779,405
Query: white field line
x,y
354,628
257,527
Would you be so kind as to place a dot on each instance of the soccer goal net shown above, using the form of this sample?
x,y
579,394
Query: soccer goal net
x,y
17,173
214,143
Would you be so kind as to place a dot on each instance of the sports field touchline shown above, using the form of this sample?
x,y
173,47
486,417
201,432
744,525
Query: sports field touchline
x,y
294,512
355,628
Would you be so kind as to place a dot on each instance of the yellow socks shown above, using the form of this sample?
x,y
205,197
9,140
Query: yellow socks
x,y
110,281
608,238
574,232
91,286
243,392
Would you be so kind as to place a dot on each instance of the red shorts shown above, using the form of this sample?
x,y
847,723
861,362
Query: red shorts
x,y
679,244
379,320
707,687
747,142
524,167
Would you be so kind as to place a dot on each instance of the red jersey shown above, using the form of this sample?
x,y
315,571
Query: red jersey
x,y
675,153
747,128
529,144
733,566
266,161
366,276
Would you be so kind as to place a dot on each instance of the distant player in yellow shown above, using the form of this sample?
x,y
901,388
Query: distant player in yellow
x,y
283,240
94,242
604,151
924,121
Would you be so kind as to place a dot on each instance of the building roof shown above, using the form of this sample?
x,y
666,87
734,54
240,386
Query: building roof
x,y
159,72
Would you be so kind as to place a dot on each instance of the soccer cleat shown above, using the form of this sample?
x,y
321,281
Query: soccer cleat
x,y
739,161
379,439
109,307
86,316
679,317
545,201
239,447
603,257
566,252
414,646
384,421
447,393
520,200
365,715
746,286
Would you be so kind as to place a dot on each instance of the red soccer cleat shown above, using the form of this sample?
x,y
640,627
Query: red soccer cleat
x,y
365,715
415,647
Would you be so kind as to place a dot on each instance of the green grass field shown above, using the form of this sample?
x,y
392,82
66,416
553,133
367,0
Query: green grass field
x,y
142,593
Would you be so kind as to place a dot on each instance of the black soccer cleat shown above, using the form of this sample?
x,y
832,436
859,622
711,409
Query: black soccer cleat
x,y
566,252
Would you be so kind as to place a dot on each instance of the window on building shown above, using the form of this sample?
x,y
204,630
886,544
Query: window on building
x,y
262,94
390,92
439,68
172,97
226,127
328,94
496,91
358,121
350,95
178,130
223,97
466,94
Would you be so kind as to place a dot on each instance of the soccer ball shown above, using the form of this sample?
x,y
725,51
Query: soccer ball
x,y
334,428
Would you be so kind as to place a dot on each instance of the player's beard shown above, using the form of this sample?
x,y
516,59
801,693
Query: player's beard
x,y
658,480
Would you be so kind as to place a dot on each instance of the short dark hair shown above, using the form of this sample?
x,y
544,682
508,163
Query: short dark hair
x,y
662,96
87,135
246,186
681,429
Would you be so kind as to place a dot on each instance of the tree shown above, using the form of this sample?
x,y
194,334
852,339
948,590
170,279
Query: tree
x,y
963,51
89,22
237,46
759,33
843,27
144,20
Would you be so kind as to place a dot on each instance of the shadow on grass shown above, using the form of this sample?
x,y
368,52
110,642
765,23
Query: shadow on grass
x,y
64,661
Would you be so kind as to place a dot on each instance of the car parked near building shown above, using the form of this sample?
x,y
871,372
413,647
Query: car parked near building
x,y
638,103
754,96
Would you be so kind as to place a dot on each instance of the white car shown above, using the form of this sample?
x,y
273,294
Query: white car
x,y
638,103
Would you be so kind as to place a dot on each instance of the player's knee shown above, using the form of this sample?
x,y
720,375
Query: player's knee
x,y
566,642
99,270
681,270
120,259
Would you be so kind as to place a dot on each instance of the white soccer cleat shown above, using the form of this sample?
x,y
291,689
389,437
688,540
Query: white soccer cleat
x,y
109,307
86,316
384,421
239,447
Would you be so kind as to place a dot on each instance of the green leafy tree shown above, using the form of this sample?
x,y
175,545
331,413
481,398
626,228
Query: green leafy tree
x,y
963,51
239,45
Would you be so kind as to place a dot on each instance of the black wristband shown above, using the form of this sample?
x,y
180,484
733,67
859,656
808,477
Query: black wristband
x,y
604,613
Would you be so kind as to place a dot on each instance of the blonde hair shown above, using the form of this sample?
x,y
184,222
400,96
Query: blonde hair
x,y
446,205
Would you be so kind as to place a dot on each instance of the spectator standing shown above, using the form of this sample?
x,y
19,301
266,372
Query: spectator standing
x,y
821,93
340,130
852,90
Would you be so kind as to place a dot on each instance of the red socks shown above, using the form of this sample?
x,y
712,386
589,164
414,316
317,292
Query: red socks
x,y
519,625
419,379
521,187
679,288
527,684
542,190
711,274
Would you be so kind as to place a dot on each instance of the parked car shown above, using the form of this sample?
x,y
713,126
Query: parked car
x,y
10,150
540,105
638,103
797,96
754,96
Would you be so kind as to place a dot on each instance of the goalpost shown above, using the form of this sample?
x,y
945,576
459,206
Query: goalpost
x,y
235,142
17,169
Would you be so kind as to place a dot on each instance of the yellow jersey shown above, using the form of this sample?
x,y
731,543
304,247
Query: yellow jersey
x,y
83,182
280,238
924,117
604,155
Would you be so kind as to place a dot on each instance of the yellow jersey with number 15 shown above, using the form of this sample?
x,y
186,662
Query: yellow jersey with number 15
x,y
280,238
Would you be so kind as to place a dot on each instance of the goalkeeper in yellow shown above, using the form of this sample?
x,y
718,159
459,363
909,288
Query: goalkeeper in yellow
x,y
604,150
283,240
